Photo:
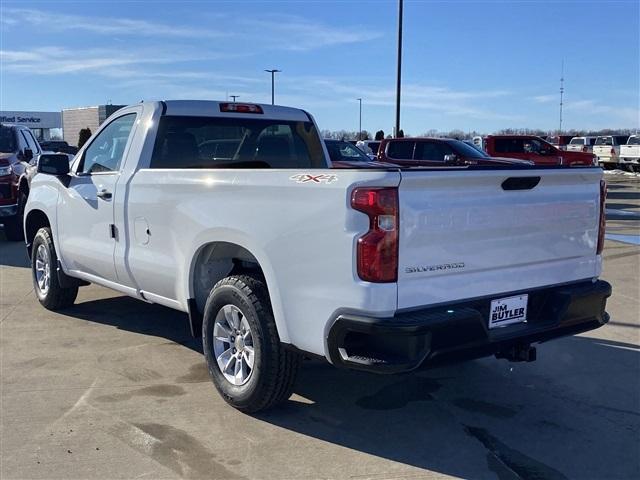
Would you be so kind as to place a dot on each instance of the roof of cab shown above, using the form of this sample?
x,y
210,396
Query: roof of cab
x,y
210,108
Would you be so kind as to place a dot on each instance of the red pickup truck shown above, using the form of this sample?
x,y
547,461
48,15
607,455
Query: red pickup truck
x,y
18,151
535,149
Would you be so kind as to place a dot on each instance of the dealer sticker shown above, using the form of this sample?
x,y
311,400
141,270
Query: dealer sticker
x,y
506,311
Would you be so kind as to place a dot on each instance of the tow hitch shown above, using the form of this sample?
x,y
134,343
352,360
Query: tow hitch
x,y
518,353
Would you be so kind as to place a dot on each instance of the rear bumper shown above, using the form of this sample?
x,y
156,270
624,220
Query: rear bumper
x,y
454,332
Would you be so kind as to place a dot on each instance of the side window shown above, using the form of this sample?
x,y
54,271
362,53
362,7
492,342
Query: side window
x,y
29,135
106,150
509,145
400,150
29,142
432,151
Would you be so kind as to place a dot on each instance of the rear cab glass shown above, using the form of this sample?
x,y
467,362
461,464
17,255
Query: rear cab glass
x,y
577,141
214,142
633,140
604,141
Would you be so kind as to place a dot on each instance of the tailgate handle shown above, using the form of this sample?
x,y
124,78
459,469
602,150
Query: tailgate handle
x,y
520,183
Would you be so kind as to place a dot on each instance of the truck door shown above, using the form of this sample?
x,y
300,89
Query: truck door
x,y
86,213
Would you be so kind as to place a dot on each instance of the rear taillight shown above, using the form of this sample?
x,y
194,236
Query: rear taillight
x,y
585,149
377,250
613,152
603,221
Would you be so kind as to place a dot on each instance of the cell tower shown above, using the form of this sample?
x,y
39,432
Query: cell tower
x,y
561,94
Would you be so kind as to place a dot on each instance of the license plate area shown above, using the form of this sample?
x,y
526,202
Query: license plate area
x,y
508,310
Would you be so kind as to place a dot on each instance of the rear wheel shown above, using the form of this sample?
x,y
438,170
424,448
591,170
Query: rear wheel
x,y
247,363
44,263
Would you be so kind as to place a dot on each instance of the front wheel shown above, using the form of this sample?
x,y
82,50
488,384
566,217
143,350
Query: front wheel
x,y
44,263
247,363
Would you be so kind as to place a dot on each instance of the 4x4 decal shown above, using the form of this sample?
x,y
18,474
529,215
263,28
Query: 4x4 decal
x,y
306,178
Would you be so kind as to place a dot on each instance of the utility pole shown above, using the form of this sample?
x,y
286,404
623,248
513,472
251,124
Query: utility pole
x,y
398,81
561,94
233,97
273,72
360,123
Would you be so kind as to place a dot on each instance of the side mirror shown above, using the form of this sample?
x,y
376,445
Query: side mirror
x,y
27,154
53,164
451,158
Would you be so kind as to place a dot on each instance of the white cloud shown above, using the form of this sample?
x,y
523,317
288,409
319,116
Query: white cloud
x,y
291,32
545,98
101,25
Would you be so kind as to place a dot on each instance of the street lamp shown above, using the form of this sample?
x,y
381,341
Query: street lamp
x,y
273,72
234,97
399,68
360,123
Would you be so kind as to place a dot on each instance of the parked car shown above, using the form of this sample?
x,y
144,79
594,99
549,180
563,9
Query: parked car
x,y
274,255
530,147
18,149
581,144
370,147
436,152
344,154
630,153
607,150
558,141
58,146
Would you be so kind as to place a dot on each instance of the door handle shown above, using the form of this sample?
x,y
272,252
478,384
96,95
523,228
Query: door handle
x,y
104,194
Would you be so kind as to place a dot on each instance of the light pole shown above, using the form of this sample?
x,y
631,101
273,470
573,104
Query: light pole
x,y
234,97
273,73
360,122
399,68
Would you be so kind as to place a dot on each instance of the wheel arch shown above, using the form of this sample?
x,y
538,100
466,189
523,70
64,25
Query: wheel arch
x,y
214,260
34,220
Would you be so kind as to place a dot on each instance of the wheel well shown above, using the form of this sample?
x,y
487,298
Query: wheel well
x,y
24,187
36,219
215,261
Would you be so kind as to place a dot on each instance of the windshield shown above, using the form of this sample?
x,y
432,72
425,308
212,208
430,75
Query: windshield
x,y
345,152
7,140
466,150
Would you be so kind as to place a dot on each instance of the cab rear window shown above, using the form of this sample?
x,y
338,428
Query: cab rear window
x,y
214,142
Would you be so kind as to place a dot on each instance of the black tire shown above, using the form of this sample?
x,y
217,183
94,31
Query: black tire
x,y
13,228
54,297
274,368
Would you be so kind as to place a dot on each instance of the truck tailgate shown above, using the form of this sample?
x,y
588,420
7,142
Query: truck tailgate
x,y
462,235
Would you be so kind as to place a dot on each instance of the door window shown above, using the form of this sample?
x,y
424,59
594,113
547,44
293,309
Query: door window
x,y
107,149
509,145
432,151
31,142
401,150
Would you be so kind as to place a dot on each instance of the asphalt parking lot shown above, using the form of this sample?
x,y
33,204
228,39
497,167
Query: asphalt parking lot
x,y
115,388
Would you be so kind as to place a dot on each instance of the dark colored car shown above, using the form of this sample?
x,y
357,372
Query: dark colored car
x,y
435,152
344,154
18,151
540,152
58,146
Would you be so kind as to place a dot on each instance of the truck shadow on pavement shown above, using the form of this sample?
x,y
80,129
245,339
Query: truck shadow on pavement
x,y
575,413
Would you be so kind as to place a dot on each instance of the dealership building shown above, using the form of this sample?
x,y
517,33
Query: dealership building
x,y
75,119
44,125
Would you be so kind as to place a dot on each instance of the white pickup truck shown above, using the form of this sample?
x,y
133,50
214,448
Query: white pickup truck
x,y
630,153
230,212
607,149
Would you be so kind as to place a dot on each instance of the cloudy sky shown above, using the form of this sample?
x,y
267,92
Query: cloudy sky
x,y
480,65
